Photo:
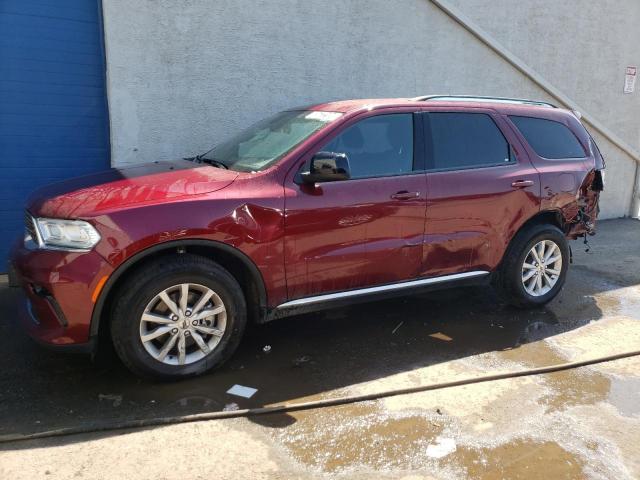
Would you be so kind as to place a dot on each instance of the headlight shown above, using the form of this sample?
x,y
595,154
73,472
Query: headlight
x,y
66,234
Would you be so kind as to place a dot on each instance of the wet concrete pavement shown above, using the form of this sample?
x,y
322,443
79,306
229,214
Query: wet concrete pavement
x,y
572,424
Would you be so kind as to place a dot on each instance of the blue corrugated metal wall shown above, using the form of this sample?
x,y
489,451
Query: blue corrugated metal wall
x,y
53,114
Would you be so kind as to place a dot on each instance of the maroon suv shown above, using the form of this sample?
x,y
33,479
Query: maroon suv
x,y
313,207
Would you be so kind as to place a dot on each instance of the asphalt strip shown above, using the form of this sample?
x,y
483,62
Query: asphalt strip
x,y
292,407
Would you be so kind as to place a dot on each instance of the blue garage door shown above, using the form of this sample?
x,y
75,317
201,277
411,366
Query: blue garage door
x,y
53,114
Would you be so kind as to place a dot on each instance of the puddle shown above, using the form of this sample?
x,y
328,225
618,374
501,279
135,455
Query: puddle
x,y
569,387
619,301
608,303
521,459
311,356
628,301
357,436
625,396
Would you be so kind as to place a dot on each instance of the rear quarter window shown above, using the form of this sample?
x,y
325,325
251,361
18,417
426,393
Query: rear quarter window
x,y
548,138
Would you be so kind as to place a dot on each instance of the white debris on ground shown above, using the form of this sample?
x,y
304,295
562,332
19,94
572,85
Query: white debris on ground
x,y
231,407
242,391
441,448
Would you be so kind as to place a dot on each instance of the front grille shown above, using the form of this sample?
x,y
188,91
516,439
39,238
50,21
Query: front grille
x,y
29,224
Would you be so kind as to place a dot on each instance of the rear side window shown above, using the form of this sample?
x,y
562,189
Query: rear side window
x,y
549,139
464,140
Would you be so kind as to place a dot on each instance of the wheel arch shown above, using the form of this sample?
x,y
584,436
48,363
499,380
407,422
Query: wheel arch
x,y
552,217
504,279
545,217
236,262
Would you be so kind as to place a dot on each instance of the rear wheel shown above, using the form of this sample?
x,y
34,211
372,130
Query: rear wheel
x,y
178,318
541,268
535,266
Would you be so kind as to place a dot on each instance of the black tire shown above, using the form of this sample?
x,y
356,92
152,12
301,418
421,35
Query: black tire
x,y
139,289
509,281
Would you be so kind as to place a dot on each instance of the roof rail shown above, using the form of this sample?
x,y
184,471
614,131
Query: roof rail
x,y
475,98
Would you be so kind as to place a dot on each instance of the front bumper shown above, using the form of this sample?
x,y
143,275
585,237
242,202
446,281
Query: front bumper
x,y
59,289
40,329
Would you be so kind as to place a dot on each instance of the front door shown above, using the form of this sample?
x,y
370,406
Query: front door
x,y
481,187
364,231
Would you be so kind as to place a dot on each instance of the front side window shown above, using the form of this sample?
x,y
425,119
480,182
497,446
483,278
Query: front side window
x,y
377,146
266,142
464,140
549,139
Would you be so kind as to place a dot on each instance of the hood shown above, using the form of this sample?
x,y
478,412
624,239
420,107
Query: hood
x,y
117,188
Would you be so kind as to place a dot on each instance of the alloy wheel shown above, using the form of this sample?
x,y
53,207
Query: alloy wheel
x,y
183,324
541,268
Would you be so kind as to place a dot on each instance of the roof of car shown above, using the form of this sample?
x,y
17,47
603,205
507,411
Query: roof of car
x,y
506,105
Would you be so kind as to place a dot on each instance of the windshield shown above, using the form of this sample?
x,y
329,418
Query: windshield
x,y
264,143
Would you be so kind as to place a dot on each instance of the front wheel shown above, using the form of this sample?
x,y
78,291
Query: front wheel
x,y
535,267
177,318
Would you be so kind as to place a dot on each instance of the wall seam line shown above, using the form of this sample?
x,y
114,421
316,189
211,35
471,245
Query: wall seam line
x,y
529,72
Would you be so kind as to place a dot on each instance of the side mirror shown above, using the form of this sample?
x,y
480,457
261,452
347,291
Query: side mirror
x,y
327,167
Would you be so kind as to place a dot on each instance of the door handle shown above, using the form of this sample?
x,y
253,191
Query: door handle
x,y
522,183
405,195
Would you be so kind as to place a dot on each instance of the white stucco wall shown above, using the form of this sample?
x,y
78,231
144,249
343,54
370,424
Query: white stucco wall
x,y
582,47
182,75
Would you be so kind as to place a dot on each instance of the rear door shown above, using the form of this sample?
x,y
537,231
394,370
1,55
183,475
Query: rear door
x,y
481,186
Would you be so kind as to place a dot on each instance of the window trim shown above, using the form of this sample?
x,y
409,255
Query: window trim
x,y
418,144
393,175
473,167
428,142
511,163
533,150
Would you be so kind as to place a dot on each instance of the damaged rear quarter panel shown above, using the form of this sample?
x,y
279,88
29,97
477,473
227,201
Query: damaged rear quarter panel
x,y
567,188
584,221
569,185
